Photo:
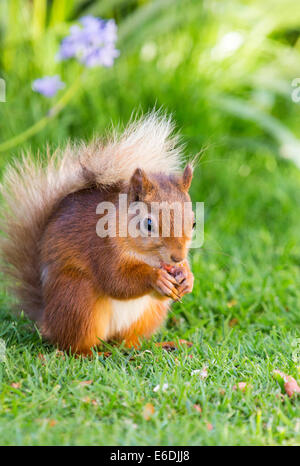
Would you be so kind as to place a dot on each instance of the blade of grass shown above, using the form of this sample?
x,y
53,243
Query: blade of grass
x,y
60,11
39,18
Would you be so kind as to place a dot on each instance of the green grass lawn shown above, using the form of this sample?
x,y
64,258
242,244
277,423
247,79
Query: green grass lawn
x,y
247,270
243,316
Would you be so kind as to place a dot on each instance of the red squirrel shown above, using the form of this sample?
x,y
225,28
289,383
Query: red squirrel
x,y
79,287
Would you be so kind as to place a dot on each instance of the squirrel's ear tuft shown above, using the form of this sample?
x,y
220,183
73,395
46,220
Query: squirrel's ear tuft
x,y
187,177
140,185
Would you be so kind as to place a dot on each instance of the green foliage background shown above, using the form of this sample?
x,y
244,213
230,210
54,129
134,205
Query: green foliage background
x,y
235,102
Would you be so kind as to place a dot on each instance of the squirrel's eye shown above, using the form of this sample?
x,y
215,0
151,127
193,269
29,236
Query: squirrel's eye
x,y
194,224
148,226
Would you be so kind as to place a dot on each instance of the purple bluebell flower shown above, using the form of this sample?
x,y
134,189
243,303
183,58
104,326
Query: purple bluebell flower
x,y
92,43
48,86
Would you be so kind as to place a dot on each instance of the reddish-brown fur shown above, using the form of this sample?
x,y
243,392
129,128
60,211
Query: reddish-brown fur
x,y
80,288
80,270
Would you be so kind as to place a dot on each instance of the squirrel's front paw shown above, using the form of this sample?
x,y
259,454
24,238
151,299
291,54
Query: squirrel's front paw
x,y
165,283
184,279
186,285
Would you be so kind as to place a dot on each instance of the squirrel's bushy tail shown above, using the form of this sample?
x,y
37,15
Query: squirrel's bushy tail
x,y
32,188
30,191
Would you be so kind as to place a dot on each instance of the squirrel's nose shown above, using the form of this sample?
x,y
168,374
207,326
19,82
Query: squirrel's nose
x,y
176,258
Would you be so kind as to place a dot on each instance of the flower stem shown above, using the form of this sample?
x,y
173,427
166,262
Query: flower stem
x,y
42,123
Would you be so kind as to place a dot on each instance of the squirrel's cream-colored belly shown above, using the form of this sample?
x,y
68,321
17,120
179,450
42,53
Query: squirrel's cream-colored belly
x,y
125,313
134,318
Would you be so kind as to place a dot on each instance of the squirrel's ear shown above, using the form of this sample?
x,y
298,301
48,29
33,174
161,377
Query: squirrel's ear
x,y
187,177
140,185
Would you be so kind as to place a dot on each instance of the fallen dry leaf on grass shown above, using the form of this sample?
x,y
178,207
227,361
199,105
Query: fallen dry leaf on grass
x,y
209,426
198,408
104,354
148,411
52,422
86,399
15,385
83,383
287,382
233,322
232,303
241,386
173,345
291,387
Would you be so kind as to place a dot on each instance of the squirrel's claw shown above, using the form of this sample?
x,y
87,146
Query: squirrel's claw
x,y
185,279
186,286
165,285
180,276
